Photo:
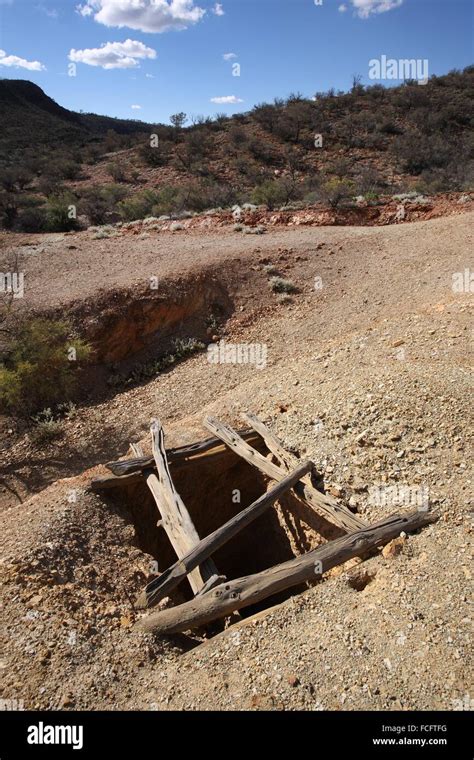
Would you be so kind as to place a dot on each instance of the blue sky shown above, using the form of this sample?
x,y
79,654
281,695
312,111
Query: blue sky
x,y
281,46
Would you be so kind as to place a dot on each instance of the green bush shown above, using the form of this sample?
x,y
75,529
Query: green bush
x,y
138,206
46,428
275,192
41,368
335,191
116,171
61,213
97,202
280,285
32,219
159,155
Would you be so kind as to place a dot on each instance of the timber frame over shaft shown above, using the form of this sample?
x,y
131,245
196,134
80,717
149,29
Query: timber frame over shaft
x,y
214,597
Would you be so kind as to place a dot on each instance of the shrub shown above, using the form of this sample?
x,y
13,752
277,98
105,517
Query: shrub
x,y
138,206
32,219
59,214
280,285
266,115
46,428
15,178
274,193
38,372
180,348
156,156
238,136
169,200
262,152
270,269
98,202
8,179
335,191
9,205
116,171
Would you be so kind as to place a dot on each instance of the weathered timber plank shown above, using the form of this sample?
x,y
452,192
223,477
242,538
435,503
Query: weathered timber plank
x,y
249,590
175,517
210,447
288,460
332,511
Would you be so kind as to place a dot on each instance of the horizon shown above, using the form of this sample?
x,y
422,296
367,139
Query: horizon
x,y
129,59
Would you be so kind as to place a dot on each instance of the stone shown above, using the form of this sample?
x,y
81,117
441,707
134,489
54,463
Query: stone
x,y
393,548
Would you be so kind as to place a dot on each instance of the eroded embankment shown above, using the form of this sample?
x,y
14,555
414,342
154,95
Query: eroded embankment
x,y
145,328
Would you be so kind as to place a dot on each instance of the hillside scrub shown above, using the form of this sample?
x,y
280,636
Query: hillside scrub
x,y
41,367
270,154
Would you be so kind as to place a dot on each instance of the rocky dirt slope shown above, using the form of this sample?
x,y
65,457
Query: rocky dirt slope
x,y
367,375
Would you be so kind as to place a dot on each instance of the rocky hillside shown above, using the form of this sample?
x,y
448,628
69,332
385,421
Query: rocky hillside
x,y
332,147
25,110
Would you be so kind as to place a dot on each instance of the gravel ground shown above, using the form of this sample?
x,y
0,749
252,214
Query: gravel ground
x,y
369,377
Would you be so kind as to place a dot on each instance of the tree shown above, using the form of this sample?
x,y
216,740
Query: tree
x,y
178,120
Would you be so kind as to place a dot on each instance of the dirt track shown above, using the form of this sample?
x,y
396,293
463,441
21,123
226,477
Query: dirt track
x,y
368,377
65,268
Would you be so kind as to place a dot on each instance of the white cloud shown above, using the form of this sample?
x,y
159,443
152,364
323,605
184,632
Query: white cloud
x,y
342,8
149,76
84,10
113,55
227,100
365,8
144,15
229,56
218,10
20,63
135,107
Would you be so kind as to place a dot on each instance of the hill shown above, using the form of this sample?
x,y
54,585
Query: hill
x,y
26,110
333,147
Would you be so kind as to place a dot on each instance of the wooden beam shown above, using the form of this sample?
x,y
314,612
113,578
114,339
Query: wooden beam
x,y
326,505
209,447
288,461
162,586
251,589
109,482
136,449
176,519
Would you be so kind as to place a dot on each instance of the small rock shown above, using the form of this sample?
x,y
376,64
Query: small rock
x,y
393,548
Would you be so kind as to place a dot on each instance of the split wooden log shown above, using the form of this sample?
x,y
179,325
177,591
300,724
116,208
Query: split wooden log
x,y
251,589
136,449
326,505
162,586
210,447
130,471
288,460
175,518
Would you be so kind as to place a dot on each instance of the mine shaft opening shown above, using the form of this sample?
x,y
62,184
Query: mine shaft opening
x,y
215,489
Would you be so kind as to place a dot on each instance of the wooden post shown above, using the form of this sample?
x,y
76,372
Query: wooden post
x,y
176,519
251,589
180,455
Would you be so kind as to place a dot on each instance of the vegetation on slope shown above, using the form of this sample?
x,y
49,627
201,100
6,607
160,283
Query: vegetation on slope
x,y
82,168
